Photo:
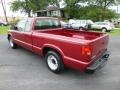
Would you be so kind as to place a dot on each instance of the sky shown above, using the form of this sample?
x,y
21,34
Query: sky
x,y
8,11
19,14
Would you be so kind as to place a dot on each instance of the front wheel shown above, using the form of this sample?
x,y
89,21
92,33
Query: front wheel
x,y
54,62
12,44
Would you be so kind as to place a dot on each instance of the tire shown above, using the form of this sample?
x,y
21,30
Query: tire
x,y
81,28
90,71
12,44
54,62
104,30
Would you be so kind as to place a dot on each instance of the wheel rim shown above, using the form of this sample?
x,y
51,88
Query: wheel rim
x,y
11,43
103,30
80,28
52,62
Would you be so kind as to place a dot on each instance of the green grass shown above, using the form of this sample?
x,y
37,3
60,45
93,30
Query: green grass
x,y
4,29
115,32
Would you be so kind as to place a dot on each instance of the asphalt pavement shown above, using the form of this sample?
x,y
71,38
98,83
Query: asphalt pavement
x,y
23,70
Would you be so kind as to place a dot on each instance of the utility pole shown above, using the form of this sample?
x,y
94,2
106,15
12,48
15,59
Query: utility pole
x,y
4,10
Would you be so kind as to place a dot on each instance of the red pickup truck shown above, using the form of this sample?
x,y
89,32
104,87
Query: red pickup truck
x,y
81,50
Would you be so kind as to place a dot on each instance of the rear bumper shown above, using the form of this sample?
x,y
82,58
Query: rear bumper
x,y
83,66
100,62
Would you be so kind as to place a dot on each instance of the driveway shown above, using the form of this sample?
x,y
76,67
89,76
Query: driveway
x,y
23,70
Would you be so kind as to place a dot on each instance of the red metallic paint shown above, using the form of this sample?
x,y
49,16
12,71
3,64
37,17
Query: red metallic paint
x,y
68,43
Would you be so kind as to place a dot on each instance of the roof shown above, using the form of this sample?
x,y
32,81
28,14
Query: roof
x,y
51,7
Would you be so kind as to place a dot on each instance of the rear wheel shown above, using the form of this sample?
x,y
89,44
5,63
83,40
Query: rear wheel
x,y
104,29
12,44
54,62
80,28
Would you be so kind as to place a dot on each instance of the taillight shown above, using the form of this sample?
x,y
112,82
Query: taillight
x,y
86,50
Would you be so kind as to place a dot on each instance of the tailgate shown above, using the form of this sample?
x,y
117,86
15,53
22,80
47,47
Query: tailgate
x,y
99,46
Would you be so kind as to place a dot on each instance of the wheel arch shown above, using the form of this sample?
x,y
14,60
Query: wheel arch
x,y
104,28
49,47
80,27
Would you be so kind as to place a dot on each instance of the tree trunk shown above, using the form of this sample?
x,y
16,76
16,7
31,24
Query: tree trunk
x,y
27,8
105,4
29,14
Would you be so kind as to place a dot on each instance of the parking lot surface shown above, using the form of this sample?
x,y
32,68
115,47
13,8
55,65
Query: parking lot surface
x,y
24,70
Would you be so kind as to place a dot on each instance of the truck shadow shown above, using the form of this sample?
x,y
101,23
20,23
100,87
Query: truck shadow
x,y
69,73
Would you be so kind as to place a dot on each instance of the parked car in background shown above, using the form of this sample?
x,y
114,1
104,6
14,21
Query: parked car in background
x,y
104,26
79,24
65,25
3,23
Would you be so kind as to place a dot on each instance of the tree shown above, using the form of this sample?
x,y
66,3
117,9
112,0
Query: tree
x,y
103,3
95,9
28,6
23,6
96,13
55,2
38,4
72,7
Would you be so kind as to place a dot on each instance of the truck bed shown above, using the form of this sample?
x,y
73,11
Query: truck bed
x,y
75,34
98,41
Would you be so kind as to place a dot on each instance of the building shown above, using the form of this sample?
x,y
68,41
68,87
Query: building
x,y
52,11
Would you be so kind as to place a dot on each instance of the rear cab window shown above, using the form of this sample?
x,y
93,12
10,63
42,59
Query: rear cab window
x,y
46,24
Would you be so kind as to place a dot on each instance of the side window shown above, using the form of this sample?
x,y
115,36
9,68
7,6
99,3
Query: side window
x,y
21,25
28,25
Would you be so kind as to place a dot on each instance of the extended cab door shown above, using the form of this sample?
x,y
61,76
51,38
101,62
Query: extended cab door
x,y
18,33
27,35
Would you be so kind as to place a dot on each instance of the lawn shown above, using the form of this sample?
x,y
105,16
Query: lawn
x,y
3,30
115,32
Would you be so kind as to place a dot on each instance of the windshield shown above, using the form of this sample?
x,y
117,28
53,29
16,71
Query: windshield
x,y
47,24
